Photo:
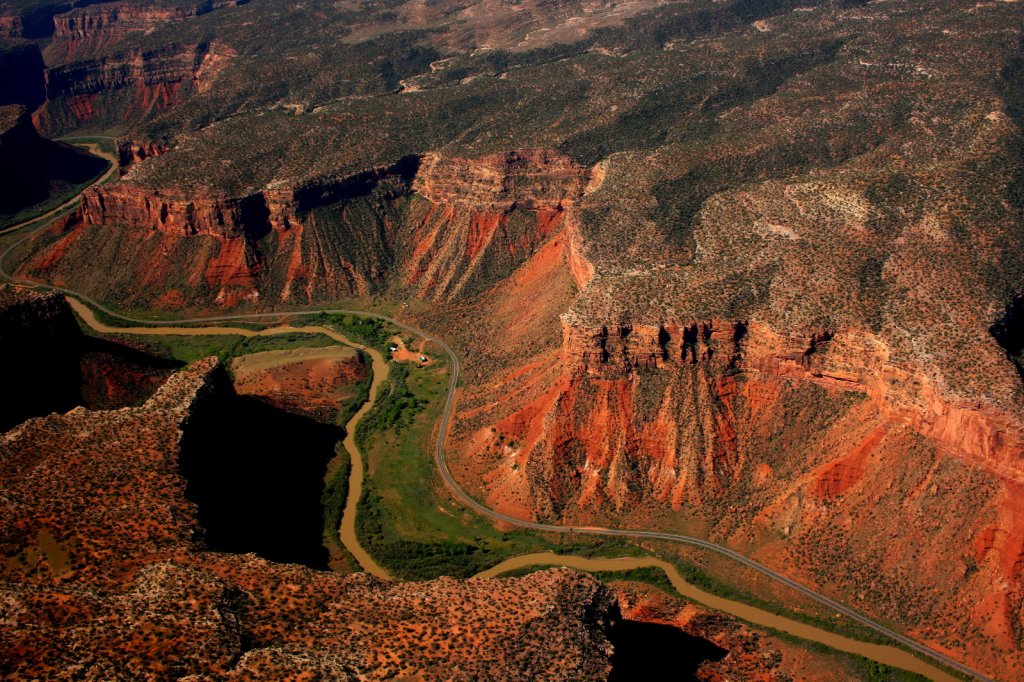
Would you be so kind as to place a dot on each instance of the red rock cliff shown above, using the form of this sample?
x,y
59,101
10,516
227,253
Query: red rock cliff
x,y
427,226
770,442
534,178
131,205
126,85
85,31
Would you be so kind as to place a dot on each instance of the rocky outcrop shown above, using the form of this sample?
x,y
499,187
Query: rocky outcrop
x,y
83,32
840,361
168,67
131,152
130,205
529,178
774,443
114,543
121,86
235,225
34,22
420,225
58,367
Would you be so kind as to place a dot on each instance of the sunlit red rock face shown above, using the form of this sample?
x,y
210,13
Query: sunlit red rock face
x,y
487,217
438,228
828,452
84,31
130,152
813,454
817,453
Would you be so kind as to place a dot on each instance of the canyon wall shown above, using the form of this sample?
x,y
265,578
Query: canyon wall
x,y
840,361
815,452
131,152
533,178
121,86
35,22
426,226
95,77
87,31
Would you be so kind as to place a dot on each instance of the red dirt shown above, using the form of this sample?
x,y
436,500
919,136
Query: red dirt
x,y
315,388
403,354
230,267
481,230
841,475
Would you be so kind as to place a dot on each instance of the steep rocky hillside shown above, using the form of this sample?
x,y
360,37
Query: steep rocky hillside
x,y
439,228
745,269
105,574
90,30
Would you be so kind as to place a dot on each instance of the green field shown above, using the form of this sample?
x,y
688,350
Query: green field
x,y
369,331
191,348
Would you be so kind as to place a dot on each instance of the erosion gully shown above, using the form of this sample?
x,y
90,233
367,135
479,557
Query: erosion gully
x,y
884,654
888,655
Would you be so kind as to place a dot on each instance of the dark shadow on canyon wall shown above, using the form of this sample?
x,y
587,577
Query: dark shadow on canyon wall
x,y
256,474
1008,332
651,651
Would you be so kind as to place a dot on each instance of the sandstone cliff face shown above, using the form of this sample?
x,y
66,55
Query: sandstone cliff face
x,y
167,66
235,225
223,218
121,86
841,179
486,217
536,179
769,442
428,227
131,152
853,361
88,31
35,22
82,32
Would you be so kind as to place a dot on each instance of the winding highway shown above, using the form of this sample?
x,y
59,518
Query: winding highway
x,y
469,501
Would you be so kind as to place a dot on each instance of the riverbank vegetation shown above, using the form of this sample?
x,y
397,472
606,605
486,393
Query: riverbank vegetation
x,y
186,348
369,331
333,501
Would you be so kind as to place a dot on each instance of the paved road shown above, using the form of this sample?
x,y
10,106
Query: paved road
x,y
469,501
